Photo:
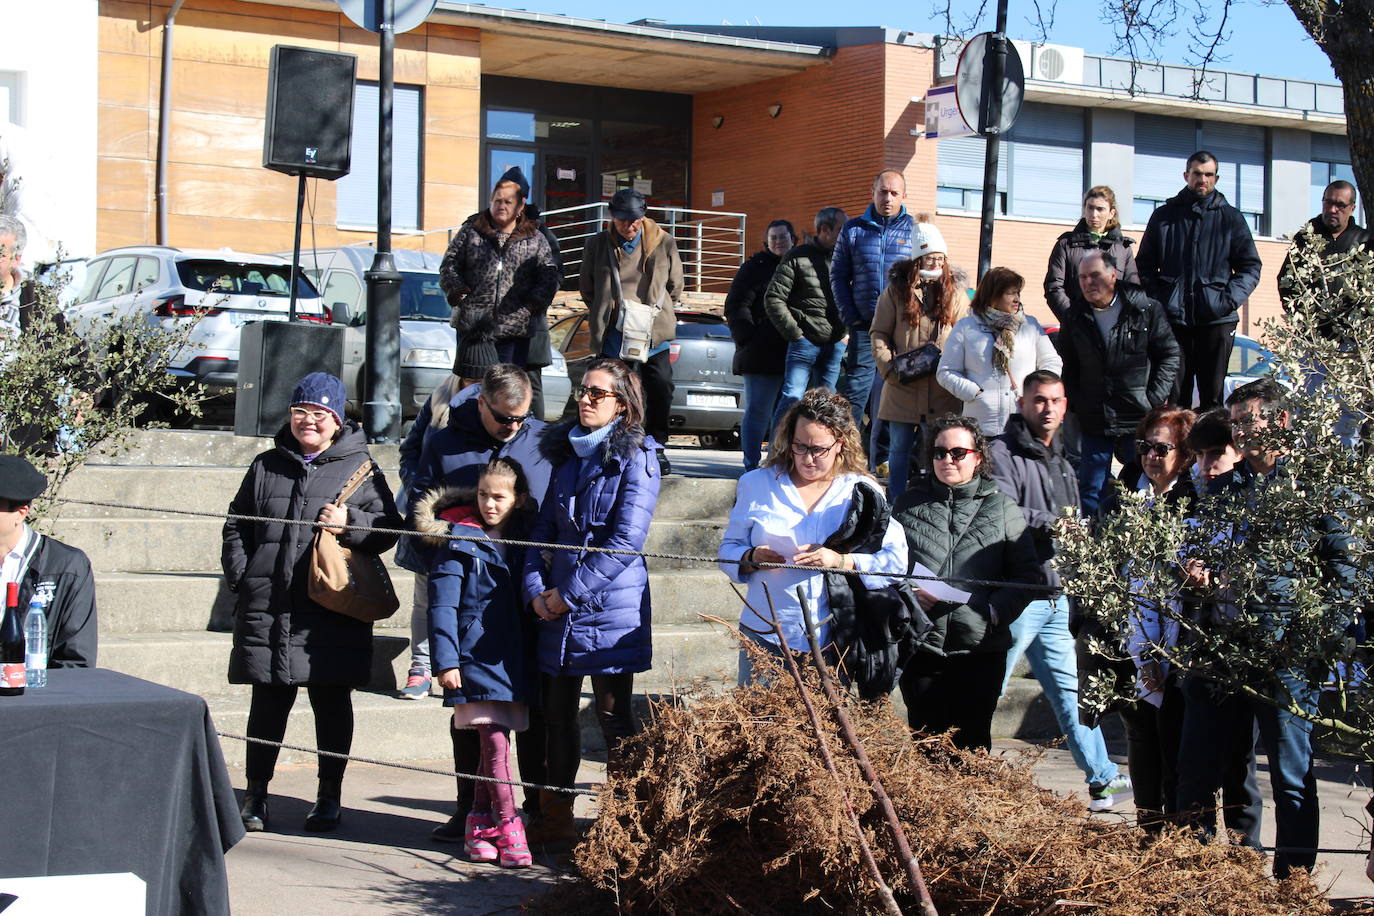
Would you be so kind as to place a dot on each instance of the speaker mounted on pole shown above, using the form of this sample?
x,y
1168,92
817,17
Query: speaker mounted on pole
x,y
309,112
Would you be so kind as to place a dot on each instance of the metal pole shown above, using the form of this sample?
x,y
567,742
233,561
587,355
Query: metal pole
x,y
296,249
989,124
382,404
164,129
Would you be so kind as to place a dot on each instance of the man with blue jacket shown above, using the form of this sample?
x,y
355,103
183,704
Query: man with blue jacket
x,y
867,248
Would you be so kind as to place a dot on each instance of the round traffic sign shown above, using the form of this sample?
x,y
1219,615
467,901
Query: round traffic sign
x,y
970,82
405,14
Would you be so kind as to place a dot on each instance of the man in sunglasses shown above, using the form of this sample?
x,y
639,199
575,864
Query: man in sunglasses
x,y
1120,359
488,420
1336,231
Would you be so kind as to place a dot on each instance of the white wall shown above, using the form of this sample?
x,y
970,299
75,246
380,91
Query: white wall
x,y
49,69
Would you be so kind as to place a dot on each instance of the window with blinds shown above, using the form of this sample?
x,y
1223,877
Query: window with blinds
x,y
1162,148
1242,156
357,191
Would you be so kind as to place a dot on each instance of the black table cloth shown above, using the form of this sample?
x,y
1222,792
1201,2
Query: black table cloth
x,y
103,772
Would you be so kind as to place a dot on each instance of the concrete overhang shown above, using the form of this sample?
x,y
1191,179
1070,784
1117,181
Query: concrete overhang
x,y
1175,106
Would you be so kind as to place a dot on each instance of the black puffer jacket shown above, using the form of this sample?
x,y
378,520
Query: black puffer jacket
x,y
1040,479
496,289
1113,383
1198,260
759,349
1061,280
799,299
281,636
972,531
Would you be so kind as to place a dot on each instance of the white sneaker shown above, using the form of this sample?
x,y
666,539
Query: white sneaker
x,y
1101,797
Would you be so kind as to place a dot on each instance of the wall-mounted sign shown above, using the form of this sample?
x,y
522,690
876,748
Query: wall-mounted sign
x,y
943,119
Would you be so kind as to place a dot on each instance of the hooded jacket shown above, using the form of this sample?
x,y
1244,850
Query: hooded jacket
x,y
478,622
606,629
971,531
865,251
799,300
660,282
1198,259
496,289
281,636
759,350
1113,383
1038,478
1061,280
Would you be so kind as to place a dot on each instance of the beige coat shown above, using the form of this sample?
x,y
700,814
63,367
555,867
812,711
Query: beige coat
x,y
918,401
660,282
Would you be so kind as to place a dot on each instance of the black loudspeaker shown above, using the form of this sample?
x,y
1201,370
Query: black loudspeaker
x,y
309,112
273,357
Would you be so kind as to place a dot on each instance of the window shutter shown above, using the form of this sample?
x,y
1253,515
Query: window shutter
x,y
1241,154
1162,146
1046,153
961,164
357,191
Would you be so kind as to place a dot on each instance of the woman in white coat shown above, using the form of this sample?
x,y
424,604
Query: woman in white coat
x,y
991,351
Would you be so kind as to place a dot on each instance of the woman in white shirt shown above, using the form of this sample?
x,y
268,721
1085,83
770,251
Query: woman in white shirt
x,y
990,352
784,512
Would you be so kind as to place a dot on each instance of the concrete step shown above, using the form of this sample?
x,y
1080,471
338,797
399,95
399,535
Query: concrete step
x,y
195,601
202,448
193,545
210,489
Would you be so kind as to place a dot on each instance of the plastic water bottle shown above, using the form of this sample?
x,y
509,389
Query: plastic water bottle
x,y
36,645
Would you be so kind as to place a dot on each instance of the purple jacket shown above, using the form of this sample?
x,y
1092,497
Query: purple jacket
x,y
607,627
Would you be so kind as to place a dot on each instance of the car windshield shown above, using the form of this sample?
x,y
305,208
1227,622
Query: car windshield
x,y
242,279
422,298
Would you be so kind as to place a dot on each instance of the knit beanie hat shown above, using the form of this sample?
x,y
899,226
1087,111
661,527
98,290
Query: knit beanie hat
x,y
320,389
929,240
475,356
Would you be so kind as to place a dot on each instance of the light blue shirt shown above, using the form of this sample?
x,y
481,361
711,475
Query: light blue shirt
x,y
768,510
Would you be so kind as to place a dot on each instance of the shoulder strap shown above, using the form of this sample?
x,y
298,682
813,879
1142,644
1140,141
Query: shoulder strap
x,y
615,268
362,473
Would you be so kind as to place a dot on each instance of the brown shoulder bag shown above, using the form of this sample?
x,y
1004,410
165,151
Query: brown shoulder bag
x,y
348,581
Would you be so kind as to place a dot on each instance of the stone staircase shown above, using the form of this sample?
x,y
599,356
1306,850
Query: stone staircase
x,y
165,615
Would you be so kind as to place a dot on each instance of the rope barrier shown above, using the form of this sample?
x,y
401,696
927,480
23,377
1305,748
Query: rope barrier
x,y
409,766
540,545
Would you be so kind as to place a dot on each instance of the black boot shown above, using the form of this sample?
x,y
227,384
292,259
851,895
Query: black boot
x,y
467,752
327,812
254,809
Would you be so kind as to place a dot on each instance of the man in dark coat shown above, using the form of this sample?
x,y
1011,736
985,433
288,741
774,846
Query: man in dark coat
x,y
1120,359
1198,259
485,421
46,569
1336,228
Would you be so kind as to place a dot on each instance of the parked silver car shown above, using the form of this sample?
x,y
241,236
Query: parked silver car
x,y
168,285
707,397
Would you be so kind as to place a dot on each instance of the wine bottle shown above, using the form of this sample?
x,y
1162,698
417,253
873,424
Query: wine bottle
x,y
12,647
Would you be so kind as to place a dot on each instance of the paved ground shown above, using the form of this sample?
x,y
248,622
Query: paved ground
x,y
382,859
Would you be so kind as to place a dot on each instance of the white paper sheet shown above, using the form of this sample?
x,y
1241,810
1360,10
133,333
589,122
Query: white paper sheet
x,y
942,590
784,544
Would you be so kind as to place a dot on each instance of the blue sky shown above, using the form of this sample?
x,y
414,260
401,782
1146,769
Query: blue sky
x,y
1265,37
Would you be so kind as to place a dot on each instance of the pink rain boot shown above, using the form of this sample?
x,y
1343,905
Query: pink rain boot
x,y
510,839
477,832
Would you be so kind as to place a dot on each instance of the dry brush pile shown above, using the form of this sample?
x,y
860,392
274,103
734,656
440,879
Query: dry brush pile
x,y
723,805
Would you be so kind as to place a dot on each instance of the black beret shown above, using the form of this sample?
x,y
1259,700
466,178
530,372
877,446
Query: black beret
x,y
20,482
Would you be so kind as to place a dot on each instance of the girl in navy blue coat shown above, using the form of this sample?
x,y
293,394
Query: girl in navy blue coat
x,y
477,640
593,608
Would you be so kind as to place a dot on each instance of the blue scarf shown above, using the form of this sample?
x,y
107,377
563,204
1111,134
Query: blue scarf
x,y
586,442
629,246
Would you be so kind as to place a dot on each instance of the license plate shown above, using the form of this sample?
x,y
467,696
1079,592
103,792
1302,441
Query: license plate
x,y
710,400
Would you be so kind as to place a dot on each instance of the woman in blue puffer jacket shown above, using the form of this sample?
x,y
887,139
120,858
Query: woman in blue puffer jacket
x,y
593,607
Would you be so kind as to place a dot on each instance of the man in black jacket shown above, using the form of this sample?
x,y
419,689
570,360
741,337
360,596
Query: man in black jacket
x,y
1198,260
1120,360
1336,227
57,575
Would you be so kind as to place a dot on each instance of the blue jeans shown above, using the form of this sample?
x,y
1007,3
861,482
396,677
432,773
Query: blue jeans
x,y
901,438
1042,633
1095,468
877,435
858,371
760,398
808,366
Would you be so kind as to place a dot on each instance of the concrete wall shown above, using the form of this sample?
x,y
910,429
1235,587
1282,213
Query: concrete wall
x,y
50,71
218,192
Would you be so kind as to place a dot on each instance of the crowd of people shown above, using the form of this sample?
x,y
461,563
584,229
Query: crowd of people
x,y
991,434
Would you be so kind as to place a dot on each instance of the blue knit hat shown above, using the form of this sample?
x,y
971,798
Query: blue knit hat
x,y
517,178
320,389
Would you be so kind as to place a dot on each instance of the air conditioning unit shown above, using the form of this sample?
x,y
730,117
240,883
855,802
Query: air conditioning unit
x,y
1056,64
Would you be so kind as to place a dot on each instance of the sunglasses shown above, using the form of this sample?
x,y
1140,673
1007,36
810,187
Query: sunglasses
x,y
939,453
595,395
503,420
1144,447
315,416
815,451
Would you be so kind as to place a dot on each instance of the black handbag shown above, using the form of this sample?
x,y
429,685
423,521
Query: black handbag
x,y
914,365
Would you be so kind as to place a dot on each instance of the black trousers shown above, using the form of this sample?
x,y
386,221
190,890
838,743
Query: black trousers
x,y
961,691
267,715
1206,353
1152,740
611,700
529,754
656,375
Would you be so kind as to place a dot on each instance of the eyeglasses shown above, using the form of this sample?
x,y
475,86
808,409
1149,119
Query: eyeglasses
x,y
815,451
314,416
957,453
1145,447
503,420
1328,202
595,395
